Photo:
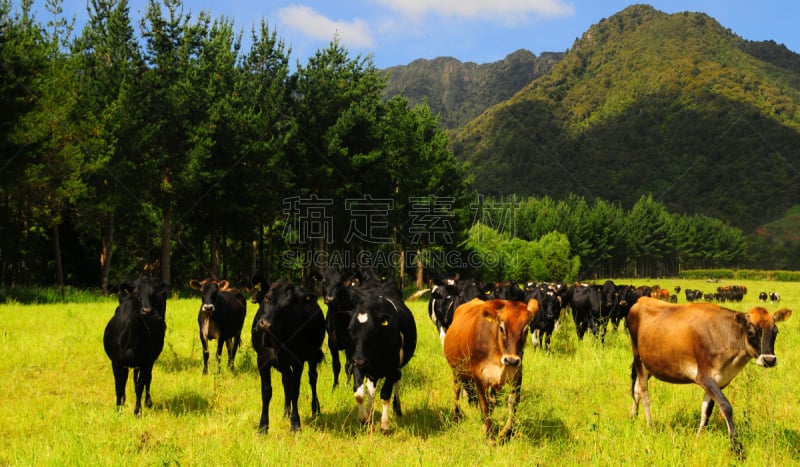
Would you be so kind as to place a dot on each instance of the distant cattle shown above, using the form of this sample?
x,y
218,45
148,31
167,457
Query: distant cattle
x,y
774,297
544,322
336,293
698,343
585,302
762,297
484,347
287,333
627,296
693,295
134,337
385,338
221,317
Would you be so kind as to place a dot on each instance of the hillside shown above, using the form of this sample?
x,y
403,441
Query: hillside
x,y
646,102
458,92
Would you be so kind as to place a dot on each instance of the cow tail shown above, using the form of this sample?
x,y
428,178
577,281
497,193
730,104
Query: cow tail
x,y
633,378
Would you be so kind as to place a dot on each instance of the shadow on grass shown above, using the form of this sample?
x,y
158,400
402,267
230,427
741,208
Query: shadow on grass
x,y
187,401
343,422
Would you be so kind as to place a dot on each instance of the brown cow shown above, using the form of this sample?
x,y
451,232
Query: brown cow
x,y
484,347
700,343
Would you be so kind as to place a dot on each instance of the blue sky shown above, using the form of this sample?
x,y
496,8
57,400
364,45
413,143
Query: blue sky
x,y
396,32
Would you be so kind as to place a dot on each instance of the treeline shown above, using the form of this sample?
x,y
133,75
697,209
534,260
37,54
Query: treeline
x,y
179,151
573,239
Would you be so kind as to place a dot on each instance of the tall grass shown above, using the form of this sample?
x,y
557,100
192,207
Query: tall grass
x,y
57,402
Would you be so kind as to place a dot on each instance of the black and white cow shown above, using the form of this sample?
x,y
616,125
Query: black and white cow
x,y
287,333
544,321
221,317
443,303
385,338
134,337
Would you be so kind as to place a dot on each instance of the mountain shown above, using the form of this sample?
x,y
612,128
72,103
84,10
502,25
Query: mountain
x,y
459,92
644,102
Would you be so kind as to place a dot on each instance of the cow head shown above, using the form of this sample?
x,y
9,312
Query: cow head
x,y
260,286
148,295
373,324
334,286
512,319
761,333
281,295
209,289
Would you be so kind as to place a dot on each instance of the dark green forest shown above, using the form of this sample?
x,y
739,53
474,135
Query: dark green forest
x,y
163,145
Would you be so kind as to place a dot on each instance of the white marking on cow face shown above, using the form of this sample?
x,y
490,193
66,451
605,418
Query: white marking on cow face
x,y
362,318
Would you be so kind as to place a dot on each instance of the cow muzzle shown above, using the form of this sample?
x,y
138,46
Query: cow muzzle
x,y
359,362
767,361
208,308
263,325
511,360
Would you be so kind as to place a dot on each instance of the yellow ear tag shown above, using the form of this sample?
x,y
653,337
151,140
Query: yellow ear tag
x,y
385,322
258,287
490,319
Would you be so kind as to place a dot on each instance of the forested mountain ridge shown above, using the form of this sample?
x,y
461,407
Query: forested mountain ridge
x,y
647,102
457,91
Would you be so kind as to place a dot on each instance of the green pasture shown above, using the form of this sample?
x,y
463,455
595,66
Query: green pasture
x,y
57,402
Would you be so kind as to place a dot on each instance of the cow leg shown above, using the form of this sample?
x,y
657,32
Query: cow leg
x,y
220,344
233,346
120,381
336,363
138,386
715,394
488,426
513,400
312,381
639,389
204,343
547,341
458,386
266,396
365,390
535,338
146,376
291,391
705,412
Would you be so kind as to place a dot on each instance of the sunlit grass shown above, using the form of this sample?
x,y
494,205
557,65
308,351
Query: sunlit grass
x,y
58,403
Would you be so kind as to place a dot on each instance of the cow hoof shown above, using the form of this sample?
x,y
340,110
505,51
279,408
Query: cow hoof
x,y
386,429
295,428
263,429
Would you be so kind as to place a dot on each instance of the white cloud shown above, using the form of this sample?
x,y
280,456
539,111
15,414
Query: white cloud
x,y
517,10
355,33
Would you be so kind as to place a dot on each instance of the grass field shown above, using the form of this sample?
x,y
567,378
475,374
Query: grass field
x,y
57,402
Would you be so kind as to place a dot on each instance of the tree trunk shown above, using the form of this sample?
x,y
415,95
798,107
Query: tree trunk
x,y
107,250
214,247
59,264
165,240
420,271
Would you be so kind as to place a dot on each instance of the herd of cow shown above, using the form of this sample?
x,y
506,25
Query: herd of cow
x,y
483,329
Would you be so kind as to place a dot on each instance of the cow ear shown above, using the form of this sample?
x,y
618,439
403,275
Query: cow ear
x,y
533,306
782,315
489,315
223,285
383,319
125,290
195,284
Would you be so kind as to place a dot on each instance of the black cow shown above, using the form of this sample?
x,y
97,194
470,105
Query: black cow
x,y
288,331
443,303
693,295
134,337
628,295
508,290
221,317
544,321
385,337
337,296
586,303
774,297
